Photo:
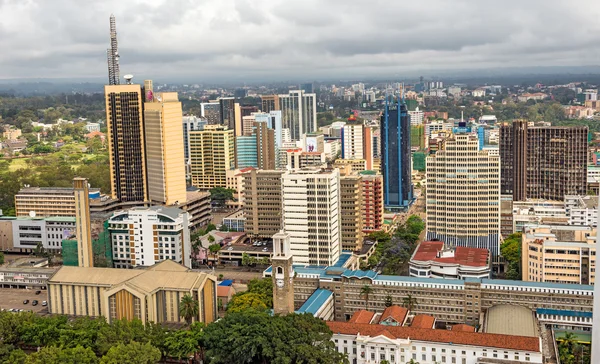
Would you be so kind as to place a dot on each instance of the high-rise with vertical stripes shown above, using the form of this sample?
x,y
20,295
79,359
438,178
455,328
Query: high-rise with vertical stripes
x,y
396,157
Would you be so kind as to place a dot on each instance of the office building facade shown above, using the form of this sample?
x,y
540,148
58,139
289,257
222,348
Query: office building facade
x,y
211,111
396,157
352,141
298,113
559,254
265,145
311,215
165,155
351,217
212,153
246,155
262,203
190,123
543,162
463,195
83,232
144,236
372,200
125,125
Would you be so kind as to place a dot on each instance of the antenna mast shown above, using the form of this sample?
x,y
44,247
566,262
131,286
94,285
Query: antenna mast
x,y
112,54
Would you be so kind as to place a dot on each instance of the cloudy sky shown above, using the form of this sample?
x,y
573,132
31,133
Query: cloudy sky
x,y
239,40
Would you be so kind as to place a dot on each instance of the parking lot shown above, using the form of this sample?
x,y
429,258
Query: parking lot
x,y
13,298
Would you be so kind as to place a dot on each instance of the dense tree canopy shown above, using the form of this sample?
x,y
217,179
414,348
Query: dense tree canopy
x,y
256,337
510,249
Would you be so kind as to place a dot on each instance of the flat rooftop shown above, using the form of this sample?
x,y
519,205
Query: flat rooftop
x,y
434,251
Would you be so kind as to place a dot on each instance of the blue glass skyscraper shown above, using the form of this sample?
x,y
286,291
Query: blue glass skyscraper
x,y
396,157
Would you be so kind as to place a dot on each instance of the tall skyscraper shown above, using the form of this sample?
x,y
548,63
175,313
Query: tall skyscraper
x,y
396,157
246,151
165,157
351,217
112,54
85,253
273,120
311,215
262,203
298,113
372,201
190,123
125,134
543,162
352,140
211,111
211,155
463,195
270,103
265,145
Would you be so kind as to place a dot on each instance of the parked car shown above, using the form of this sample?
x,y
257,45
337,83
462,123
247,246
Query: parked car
x,y
25,302
44,303
34,303
38,292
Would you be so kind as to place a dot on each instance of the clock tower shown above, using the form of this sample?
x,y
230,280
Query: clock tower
x,y
283,274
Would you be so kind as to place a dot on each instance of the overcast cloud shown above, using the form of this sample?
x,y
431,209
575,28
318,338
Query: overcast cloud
x,y
238,40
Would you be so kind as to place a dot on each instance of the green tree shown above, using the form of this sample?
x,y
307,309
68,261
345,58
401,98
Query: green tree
x,y
17,356
263,287
55,355
211,239
133,352
257,337
409,302
510,249
182,344
365,292
380,236
188,308
220,195
388,301
246,300
1,258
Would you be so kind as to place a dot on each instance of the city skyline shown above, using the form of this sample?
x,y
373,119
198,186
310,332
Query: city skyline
x,y
335,39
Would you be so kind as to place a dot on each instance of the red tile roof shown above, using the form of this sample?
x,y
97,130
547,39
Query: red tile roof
x,y
397,313
423,322
463,328
362,317
521,343
223,291
474,257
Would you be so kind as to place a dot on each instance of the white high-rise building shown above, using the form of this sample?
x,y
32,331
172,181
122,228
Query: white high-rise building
x,y
311,215
463,195
352,141
144,236
416,117
273,120
299,113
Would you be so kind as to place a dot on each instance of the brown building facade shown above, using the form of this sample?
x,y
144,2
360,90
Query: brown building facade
x,y
262,203
543,162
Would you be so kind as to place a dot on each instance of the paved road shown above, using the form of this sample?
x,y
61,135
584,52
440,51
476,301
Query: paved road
x,y
14,297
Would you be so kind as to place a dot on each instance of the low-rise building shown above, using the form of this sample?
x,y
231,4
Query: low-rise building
x,y
582,210
15,145
24,277
235,221
559,254
144,236
26,233
432,259
150,295
373,343
11,134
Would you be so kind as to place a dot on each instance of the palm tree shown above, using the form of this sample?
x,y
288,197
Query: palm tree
x,y
409,302
188,308
365,291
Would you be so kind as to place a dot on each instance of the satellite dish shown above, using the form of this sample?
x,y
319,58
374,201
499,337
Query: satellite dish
x,y
128,78
32,213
